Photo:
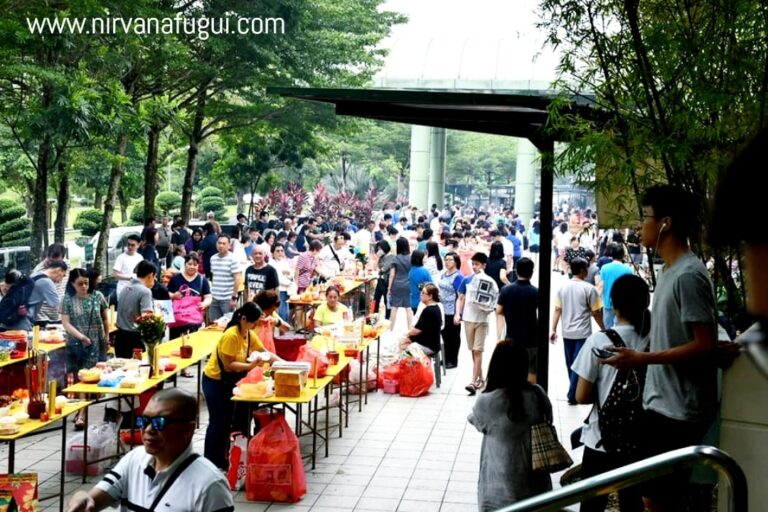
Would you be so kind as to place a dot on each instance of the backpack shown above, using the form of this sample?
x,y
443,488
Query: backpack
x,y
14,305
483,292
620,417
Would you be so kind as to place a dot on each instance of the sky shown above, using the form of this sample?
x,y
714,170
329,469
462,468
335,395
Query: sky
x,y
446,38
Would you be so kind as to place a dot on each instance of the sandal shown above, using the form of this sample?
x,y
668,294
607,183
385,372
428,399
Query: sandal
x,y
79,423
471,389
186,374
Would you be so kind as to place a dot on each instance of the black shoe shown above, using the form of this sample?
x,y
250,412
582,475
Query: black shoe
x,y
471,389
573,402
450,365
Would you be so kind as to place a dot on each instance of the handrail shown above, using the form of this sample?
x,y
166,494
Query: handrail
x,y
639,472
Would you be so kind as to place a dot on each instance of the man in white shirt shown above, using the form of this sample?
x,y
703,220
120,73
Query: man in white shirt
x,y
334,258
363,237
164,473
125,264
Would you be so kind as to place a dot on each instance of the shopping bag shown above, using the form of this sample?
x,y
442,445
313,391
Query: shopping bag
x,y
22,488
266,331
389,378
309,354
238,450
416,375
275,470
186,310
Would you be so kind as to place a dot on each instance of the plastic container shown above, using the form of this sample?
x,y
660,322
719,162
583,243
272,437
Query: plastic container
x,y
391,387
287,346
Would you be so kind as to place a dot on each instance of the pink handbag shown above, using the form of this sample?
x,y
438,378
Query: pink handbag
x,y
186,310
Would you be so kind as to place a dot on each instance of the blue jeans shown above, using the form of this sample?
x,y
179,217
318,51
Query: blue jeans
x,y
572,348
224,417
283,311
609,318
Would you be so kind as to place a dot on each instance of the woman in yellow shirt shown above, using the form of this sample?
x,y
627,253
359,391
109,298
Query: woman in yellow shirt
x,y
227,365
332,311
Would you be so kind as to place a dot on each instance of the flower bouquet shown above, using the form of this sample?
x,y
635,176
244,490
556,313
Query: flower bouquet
x,y
151,329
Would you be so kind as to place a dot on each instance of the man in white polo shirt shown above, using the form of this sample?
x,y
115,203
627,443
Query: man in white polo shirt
x,y
163,474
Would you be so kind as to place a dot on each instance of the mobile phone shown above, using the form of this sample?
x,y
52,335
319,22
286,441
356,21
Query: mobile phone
x,y
602,354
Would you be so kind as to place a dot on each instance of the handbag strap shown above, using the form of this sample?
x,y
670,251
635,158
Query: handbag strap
x,y
172,479
247,351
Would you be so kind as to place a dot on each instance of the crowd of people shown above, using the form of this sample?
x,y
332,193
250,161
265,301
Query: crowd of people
x,y
441,269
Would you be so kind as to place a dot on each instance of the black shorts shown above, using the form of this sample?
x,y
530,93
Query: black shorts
x,y
534,248
665,434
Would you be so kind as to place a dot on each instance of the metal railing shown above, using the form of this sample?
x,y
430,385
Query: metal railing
x,y
638,472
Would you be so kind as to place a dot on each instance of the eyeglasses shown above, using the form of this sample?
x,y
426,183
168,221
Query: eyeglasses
x,y
158,422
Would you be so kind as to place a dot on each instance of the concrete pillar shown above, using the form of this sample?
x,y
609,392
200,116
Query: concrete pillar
x,y
418,185
437,148
525,180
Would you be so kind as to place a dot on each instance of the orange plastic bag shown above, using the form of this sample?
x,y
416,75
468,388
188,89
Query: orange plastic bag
x,y
254,376
275,469
416,376
308,354
266,331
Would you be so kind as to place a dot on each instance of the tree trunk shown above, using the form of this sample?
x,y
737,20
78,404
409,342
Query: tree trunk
x,y
195,137
40,201
240,202
150,171
100,255
62,203
124,203
97,200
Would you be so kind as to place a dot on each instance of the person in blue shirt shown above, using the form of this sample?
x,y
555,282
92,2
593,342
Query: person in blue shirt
x,y
418,276
609,273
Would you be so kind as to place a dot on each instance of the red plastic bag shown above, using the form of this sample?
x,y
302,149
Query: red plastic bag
x,y
266,331
254,376
416,376
391,373
308,354
275,469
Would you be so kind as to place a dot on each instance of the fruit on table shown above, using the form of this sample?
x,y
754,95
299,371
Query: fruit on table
x,y
90,375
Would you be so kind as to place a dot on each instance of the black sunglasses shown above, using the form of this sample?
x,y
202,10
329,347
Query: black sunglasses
x,y
158,422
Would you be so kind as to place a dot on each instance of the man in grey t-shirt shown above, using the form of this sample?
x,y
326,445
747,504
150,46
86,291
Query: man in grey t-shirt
x,y
134,299
680,390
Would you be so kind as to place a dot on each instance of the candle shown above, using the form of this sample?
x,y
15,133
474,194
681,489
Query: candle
x,y
314,372
35,336
51,398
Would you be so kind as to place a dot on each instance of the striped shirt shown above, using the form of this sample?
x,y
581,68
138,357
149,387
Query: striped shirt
x,y
223,270
135,484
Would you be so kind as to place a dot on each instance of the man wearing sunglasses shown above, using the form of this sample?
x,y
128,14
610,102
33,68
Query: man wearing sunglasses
x,y
164,473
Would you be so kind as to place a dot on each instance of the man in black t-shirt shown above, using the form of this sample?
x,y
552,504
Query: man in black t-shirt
x,y
260,276
519,302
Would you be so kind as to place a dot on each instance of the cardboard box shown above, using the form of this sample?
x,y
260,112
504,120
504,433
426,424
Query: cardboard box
x,y
288,377
288,390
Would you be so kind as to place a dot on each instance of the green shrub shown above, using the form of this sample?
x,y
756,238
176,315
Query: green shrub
x,y
88,221
211,192
5,204
8,228
11,212
82,241
137,214
167,201
211,204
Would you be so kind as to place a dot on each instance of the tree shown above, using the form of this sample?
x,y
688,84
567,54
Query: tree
x,y
480,160
681,86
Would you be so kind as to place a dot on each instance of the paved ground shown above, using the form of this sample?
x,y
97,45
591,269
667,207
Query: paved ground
x,y
398,454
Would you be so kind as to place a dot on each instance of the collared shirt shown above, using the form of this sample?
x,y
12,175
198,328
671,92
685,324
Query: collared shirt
x,y
135,483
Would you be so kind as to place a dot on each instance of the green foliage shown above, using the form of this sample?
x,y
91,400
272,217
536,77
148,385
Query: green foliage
x,y
88,221
168,201
212,204
211,192
136,214
14,224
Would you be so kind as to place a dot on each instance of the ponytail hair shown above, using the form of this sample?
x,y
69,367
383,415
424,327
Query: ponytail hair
x,y
630,295
250,311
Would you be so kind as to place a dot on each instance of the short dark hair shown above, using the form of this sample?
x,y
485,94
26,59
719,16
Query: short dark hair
x,y
524,268
480,257
615,251
678,204
417,258
315,245
432,290
56,251
145,268
133,238
578,265
497,251
267,299
384,246
61,265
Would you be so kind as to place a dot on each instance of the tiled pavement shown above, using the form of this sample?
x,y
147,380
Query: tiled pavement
x,y
398,454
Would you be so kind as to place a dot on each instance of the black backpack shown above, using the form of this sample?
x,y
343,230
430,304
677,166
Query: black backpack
x,y
620,417
14,305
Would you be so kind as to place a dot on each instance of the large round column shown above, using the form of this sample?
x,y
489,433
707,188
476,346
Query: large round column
x,y
418,185
525,180
438,137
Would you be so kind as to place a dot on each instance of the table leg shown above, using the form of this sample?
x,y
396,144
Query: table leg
x,y
199,387
314,431
378,360
360,384
367,360
327,406
346,402
85,441
298,420
341,403
63,455
11,456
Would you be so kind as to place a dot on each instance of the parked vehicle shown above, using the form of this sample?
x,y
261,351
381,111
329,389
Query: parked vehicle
x,y
116,243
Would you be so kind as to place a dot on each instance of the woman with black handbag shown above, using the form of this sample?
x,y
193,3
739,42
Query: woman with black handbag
x,y
226,366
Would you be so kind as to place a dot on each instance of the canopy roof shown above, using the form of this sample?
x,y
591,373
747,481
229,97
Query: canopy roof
x,y
521,114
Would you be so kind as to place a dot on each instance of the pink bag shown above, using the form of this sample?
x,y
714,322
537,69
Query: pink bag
x,y
186,310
